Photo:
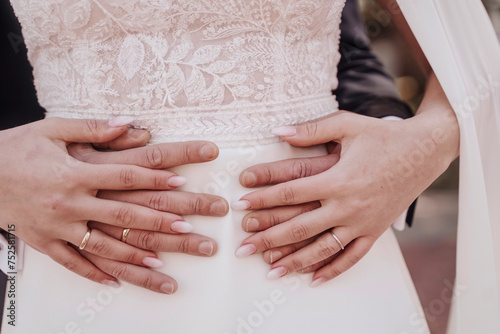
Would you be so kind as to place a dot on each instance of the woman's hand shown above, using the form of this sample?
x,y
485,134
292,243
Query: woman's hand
x,y
50,196
383,167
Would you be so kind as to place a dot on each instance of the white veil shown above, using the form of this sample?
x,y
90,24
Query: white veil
x,y
460,43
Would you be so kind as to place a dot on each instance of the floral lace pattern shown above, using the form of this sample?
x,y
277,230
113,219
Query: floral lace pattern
x,y
152,59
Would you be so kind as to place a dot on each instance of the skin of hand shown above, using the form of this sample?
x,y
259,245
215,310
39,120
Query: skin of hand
x,y
373,172
50,196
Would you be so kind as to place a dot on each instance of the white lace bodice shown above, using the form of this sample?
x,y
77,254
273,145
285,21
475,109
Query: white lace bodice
x,y
186,69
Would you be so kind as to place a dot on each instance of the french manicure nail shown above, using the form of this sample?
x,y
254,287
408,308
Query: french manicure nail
x,y
120,121
152,262
110,283
275,256
317,282
285,131
218,207
246,250
167,288
249,179
209,151
277,273
240,205
252,224
177,181
206,248
181,227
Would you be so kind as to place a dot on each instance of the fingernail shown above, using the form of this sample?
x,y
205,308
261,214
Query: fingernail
x,y
249,179
209,151
218,207
110,283
285,131
277,273
275,256
317,282
240,205
120,121
206,248
167,288
181,227
177,181
246,250
152,262
252,224
137,133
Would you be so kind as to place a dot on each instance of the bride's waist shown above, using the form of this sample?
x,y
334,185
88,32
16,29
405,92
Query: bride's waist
x,y
227,125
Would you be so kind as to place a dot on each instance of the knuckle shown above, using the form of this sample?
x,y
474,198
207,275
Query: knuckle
x,y
90,275
158,223
154,157
186,153
184,245
101,247
287,195
311,129
197,204
326,250
148,240
298,232
124,216
147,282
158,201
267,242
296,263
334,272
128,177
130,257
120,271
301,168
70,264
93,128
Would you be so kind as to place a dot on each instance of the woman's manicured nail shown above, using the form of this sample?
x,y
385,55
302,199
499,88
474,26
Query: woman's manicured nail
x,y
177,181
206,248
252,224
181,227
277,273
152,262
246,250
167,288
285,131
209,151
249,179
137,133
110,283
120,121
317,282
275,256
218,207
240,205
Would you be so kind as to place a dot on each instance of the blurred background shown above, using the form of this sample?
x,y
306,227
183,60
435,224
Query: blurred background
x,y
429,246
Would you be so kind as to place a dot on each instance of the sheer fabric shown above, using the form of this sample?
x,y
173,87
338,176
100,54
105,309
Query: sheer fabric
x,y
460,43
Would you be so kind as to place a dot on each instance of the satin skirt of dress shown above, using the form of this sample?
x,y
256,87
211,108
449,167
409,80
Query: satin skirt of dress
x,y
225,294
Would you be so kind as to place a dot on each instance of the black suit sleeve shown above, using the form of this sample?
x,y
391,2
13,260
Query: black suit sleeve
x,y
364,86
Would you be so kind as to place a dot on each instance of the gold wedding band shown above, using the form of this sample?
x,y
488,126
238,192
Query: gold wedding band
x,y
125,234
85,239
338,240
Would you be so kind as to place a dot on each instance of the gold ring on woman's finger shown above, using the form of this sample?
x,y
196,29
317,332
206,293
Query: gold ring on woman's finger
x,y
85,239
125,234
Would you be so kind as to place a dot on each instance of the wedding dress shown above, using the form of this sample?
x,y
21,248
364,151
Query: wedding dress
x,y
225,71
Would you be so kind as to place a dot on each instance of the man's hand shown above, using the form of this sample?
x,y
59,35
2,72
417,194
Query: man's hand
x,y
50,196
383,167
